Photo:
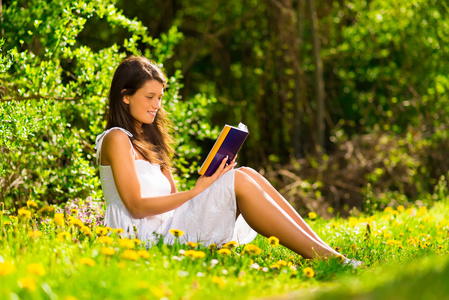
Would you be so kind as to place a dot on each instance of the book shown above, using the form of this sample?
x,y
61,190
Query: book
x,y
228,144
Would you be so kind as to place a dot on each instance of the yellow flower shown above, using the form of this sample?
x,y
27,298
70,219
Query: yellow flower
x,y
353,221
6,268
74,211
27,283
199,254
137,242
87,261
224,251
107,251
101,230
388,209
37,269
144,254
126,243
353,247
218,281
118,230
192,244
59,219
281,263
176,232
309,272
85,230
64,235
24,213
105,240
230,244
273,241
75,222
252,249
312,215
31,203
340,258
212,246
35,233
401,208
130,254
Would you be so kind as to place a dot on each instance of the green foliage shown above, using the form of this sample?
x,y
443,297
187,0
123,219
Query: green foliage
x,y
54,92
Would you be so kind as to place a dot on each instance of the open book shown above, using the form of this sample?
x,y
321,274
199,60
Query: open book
x,y
228,144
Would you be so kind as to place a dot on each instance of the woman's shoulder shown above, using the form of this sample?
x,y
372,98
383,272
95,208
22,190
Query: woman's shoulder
x,y
116,136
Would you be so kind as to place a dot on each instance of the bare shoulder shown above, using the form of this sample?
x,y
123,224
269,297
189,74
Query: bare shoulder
x,y
115,143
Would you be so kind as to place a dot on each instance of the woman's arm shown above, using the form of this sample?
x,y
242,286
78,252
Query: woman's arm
x,y
117,152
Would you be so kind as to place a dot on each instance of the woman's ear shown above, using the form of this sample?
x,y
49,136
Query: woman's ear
x,y
126,97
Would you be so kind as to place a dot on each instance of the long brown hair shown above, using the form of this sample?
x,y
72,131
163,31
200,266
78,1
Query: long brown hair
x,y
154,142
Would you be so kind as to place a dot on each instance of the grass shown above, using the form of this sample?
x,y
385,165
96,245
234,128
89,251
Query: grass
x,y
47,253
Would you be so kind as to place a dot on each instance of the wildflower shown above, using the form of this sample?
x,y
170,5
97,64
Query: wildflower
x,y
37,269
75,222
126,243
85,230
59,219
440,247
352,221
27,283
212,246
281,263
309,272
312,215
105,240
273,241
340,258
255,266
176,232
31,203
118,230
101,230
144,254
74,211
224,251
87,261
338,249
137,242
35,233
192,244
252,249
353,247
388,209
108,251
6,268
24,213
214,262
130,254
199,254
230,244
64,235
218,281
400,208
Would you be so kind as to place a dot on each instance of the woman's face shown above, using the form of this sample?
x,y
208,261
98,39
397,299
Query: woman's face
x,y
145,103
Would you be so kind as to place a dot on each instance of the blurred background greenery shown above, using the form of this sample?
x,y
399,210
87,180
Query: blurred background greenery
x,y
346,101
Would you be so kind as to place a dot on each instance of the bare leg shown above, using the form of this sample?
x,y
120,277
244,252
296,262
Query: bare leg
x,y
282,202
265,216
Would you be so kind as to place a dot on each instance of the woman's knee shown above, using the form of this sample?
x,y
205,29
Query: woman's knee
x,y
244,182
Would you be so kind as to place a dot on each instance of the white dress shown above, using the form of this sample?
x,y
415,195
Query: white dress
x,y
207,218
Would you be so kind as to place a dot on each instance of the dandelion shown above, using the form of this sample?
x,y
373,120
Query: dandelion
x,y
273,241
312,215
35,233
212,246
64,235
126,243
192,244
144,254
224,251
137,242
108,251
37,269
401,208
199,254
176,232
338,249
85,230
27,283
24,213
353,222
281,263
309,272
75,222
101,230
340,258
107,240
74,211
353,247
118,230
252,249
87,261
59,219
130,254
31,203
6,268
388,209
219,281
230,245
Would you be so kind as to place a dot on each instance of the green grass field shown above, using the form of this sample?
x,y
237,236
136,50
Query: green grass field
x,y
48,254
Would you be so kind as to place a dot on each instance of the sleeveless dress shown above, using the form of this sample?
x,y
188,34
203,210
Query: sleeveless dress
x,y
207,218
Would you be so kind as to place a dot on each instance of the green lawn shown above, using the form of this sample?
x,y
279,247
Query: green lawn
x,y
44,255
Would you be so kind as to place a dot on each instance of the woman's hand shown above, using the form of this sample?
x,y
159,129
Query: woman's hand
x,y
205,181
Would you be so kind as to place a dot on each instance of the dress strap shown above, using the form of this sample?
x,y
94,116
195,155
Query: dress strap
x,y
100,138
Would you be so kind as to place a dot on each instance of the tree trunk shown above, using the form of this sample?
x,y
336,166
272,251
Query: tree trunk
x,y
318,75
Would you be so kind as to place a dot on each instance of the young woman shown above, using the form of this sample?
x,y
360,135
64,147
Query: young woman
x,y
134,154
